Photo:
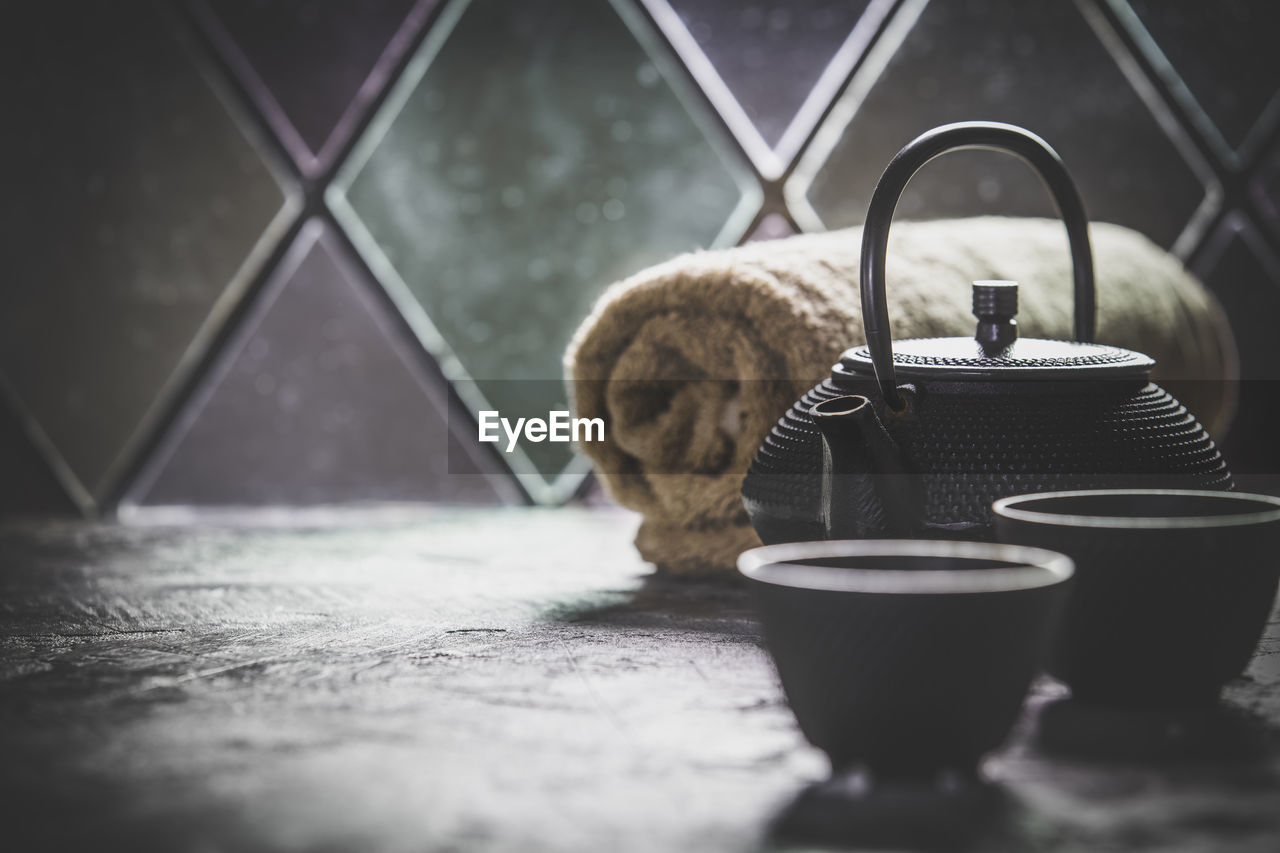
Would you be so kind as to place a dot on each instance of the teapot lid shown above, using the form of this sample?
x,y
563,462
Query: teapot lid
x,y
996,353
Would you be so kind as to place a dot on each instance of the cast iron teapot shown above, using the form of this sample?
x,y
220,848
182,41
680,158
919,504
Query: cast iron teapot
x,y
917,438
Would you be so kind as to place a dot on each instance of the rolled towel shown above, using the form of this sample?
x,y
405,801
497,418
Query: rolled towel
x,y
773,317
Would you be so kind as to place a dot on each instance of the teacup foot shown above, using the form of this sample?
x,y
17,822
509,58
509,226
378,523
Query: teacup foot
x,y
856,809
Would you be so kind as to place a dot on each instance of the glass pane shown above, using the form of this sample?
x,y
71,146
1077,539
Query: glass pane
x,y
772,227
1034,64
1225,53
532,158
138,204
27,485
1265,189
312,66
318,400
770,54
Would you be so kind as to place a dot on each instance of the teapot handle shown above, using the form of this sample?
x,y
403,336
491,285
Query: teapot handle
x,y
934,143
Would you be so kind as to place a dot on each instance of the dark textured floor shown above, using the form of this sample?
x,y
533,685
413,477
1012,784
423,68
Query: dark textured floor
x,y
482,680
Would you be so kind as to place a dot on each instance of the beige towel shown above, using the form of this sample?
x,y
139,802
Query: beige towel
x,y
777,315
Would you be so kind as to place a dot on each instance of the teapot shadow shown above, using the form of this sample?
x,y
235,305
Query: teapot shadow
x,y
1070,728
849,810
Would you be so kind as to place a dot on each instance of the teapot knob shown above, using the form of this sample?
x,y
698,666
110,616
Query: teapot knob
x,y
995,304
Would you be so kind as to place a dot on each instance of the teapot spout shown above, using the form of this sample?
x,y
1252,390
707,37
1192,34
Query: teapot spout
x,y
867,490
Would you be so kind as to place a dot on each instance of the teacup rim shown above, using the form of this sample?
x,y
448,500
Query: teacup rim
x,y
1031,568
1007,508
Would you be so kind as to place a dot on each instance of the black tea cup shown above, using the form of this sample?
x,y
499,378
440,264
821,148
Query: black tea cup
x,y
908,658
1172,588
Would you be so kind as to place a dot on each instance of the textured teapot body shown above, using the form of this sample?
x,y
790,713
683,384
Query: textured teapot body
x,y
961,446
918,437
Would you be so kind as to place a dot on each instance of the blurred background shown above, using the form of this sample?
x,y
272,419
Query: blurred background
x,y
278,252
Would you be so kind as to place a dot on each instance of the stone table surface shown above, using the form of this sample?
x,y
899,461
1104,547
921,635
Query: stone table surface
x,y
450,680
